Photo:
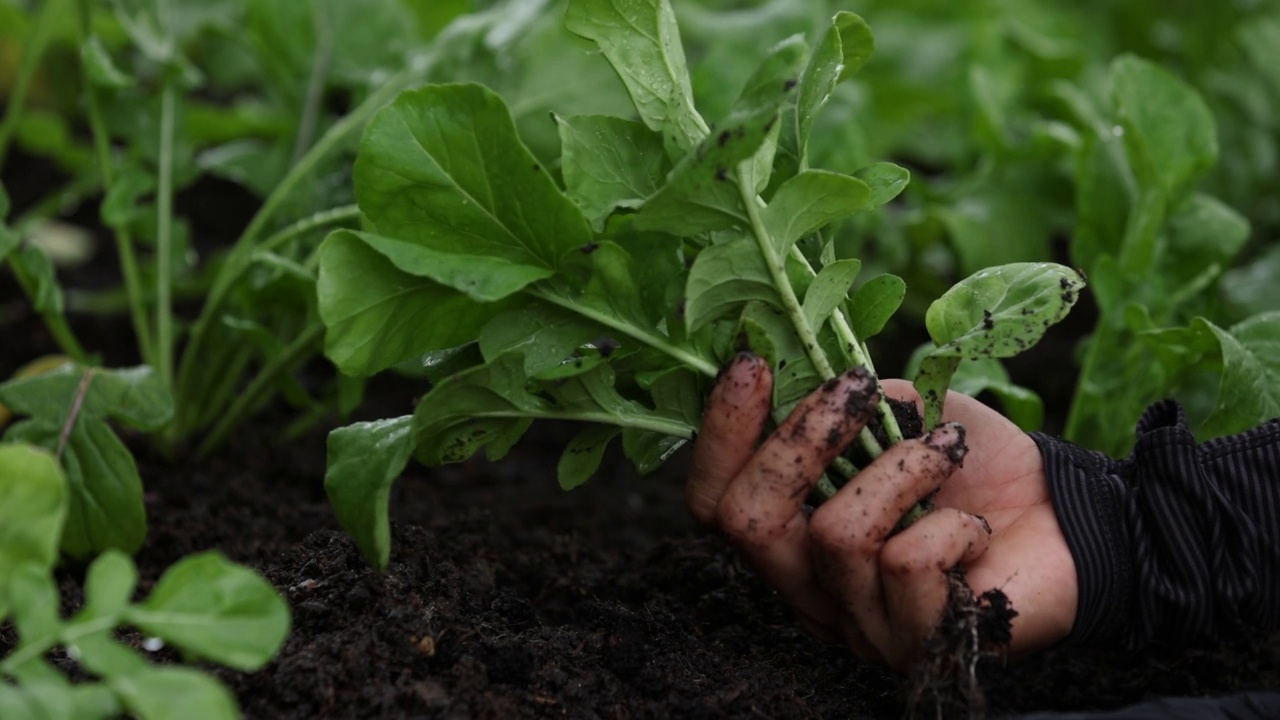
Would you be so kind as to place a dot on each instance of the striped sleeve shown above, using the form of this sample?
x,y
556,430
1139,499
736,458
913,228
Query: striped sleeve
x,y
1180,542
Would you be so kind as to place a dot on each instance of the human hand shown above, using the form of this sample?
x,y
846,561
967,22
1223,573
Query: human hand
x,y
839,568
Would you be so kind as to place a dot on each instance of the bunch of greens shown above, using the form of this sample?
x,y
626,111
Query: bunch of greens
x,y
1157,251
174,95
614,299
204,605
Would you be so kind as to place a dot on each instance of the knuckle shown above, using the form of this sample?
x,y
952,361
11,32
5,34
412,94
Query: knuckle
x,y
741,525
832,532
904,558
702,504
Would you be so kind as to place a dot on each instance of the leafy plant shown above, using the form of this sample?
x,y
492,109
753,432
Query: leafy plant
x,y
204,605
1155,247
145,73
614,300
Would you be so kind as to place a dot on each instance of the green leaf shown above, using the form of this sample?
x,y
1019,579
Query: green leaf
x,y
581,457
32,262
648,450
109,585
1022,406
457,197
1249,392
1001,311
215,609
377,315
701,194
931,381
608,162
100,68
39,701
105,508
998,312
884,180
777,74
829,289
874,303
810,201
34,601
135,396
544,334
364,461
1202,232
99,652
794,374
722,278
33,506
641,40
856,42
175,693
464,412
1104,195
1169,131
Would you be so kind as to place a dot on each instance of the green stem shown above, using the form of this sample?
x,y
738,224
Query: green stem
x,y
124,241
37,41
297,351
333,216
858,355
53,319
791,304
164,239
315,84
654,341
240,257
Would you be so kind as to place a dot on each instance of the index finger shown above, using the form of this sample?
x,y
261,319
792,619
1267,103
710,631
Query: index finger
x,y
761,510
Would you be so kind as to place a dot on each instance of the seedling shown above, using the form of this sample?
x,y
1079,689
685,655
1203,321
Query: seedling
x,y
204,605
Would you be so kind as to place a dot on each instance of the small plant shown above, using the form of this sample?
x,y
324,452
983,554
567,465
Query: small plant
x,y
205,606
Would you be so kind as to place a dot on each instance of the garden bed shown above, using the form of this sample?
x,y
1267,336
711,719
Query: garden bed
x,y
507,598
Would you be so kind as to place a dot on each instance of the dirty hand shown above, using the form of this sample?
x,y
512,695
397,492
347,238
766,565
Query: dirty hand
x,y
839,568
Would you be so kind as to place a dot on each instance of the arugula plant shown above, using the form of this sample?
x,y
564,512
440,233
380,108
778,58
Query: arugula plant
x,y
1157,251
204,605
613,301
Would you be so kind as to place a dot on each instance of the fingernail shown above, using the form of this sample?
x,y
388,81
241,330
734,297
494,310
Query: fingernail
x,y
949,438
740,378
982,521
862,398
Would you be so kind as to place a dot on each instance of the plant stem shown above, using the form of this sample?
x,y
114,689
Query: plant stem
x,y
124,241
315,83
791,304
53,319
297,351
164,239
332,216
31,54
654,341
858,355
240,257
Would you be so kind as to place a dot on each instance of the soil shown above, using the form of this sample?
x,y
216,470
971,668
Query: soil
x,y
508,598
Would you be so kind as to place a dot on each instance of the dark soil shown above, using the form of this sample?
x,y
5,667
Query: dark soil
x,y
507,598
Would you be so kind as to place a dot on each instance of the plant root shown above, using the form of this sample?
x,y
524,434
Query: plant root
x,y
973,628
